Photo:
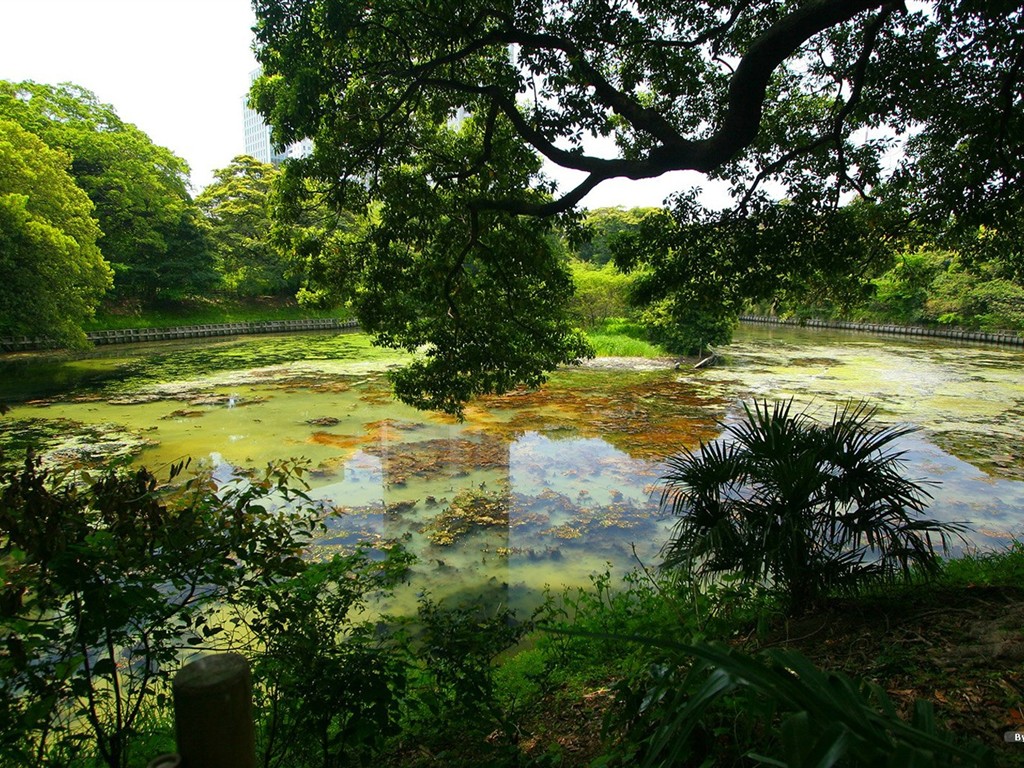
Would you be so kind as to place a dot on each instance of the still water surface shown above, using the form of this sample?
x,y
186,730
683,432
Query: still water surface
x,y
534,488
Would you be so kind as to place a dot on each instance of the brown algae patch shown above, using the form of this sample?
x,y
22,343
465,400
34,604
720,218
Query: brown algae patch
x,y
183,413
345,442
648,416
469,511
441,457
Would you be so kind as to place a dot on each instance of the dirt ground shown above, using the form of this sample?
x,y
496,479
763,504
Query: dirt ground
x,y
961,649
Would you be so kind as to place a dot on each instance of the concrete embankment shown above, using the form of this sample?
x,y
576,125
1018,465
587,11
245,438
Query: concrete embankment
x,y
955,334
135,335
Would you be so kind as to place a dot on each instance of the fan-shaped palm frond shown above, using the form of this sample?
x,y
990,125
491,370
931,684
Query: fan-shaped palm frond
x,y
805,507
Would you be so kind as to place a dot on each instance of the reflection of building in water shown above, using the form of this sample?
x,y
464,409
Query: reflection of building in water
x,y
499,520
449,496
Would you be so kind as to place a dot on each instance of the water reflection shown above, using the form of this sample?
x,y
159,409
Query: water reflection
x,y
537,487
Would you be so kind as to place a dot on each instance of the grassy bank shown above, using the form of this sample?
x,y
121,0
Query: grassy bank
x,y
583,693
204,311
614,337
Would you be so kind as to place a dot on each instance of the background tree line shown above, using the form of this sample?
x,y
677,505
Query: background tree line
x,y
632,266
91,211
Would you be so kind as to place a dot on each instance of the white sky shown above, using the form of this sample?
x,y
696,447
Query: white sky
x,y
179,70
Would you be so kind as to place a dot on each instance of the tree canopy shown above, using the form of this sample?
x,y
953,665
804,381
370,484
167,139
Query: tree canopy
x,y
604,225
153,235
239,207
51,271
444,110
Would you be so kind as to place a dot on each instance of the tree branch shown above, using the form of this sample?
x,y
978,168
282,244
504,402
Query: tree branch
x,y
835,135
748,87
739,126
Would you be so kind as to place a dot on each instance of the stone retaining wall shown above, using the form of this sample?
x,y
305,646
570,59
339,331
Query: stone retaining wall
x,y
135,335
956,334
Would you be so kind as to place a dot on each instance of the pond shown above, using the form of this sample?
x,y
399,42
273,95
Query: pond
x,y
534,488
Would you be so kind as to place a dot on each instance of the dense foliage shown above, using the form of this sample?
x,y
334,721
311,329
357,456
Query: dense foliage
x,y
239,207
974,287
599,293
153,235
603,226
438,112
51,272
933,286
679,714
106,580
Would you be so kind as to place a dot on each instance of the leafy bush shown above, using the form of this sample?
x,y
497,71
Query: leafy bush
x,y
777,708
579,622
804,508
453,703
688,326
328,687
107,578
601,292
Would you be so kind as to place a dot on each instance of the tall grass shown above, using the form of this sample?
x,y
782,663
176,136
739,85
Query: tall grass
x,y
1001,568
618,337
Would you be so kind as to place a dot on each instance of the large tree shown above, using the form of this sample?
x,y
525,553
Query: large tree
x,y
153,235
239,205
436,109
51,271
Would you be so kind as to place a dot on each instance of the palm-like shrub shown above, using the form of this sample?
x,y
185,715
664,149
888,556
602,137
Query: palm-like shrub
x,y
799,506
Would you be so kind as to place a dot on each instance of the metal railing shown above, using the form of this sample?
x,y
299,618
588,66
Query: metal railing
x,y
137,335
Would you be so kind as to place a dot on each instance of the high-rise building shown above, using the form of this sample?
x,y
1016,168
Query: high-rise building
x,y
257,134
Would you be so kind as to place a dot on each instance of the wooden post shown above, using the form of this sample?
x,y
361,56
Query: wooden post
x,y
213,713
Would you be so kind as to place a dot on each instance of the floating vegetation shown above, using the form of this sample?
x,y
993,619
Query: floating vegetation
x,y
402,507
426,459
346,442
994,453
565,531
528,477
135,399
647,414
68,444
324,421
467,512
183,413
